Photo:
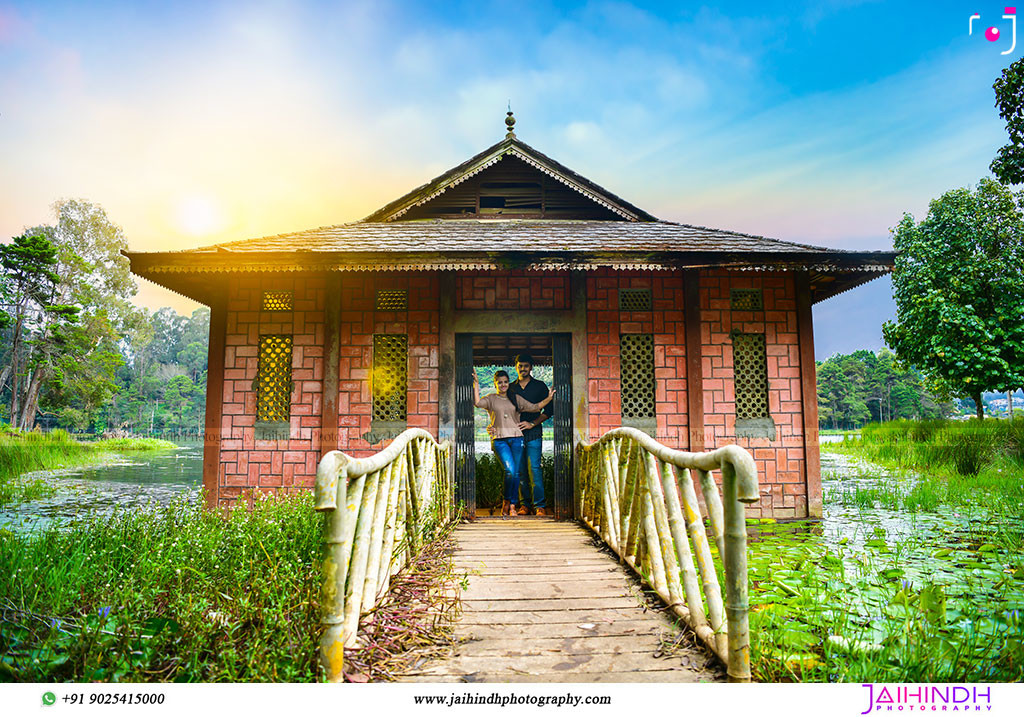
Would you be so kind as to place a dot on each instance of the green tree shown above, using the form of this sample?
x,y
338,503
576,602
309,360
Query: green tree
x,y
1008,165
30,278
94,280
959,291
177,397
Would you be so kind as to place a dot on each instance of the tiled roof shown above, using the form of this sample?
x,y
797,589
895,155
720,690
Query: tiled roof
x,y
489,235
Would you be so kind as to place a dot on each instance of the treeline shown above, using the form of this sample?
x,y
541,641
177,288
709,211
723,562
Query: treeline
x,y
75,352
863,386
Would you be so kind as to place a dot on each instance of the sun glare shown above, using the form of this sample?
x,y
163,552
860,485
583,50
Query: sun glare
x,y
199,215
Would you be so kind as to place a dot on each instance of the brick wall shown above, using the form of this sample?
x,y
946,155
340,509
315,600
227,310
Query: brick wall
x,y
666,322
780,463
247,463
359,322
519,290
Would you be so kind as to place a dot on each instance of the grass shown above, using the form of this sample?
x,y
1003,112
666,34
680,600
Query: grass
x,y
170,594
24,452
941,463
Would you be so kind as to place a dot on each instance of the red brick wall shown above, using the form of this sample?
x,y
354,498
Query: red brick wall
x,y
359,322
519,290
604,325
246,463
780,463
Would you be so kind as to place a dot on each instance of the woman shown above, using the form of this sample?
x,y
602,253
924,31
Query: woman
x,y
507,438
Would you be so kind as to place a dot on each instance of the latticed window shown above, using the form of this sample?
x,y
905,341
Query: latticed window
x,y
273,387
392,300
634,299
750,370
389,382
636,362
277,301
746,300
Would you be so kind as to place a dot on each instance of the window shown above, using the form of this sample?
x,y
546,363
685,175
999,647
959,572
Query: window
x,y
636,371
274,387
389,385
277,301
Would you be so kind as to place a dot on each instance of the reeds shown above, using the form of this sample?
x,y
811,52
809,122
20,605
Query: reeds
x,y
25,452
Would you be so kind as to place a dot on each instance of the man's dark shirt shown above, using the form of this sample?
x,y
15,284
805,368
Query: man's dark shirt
x,y
535,392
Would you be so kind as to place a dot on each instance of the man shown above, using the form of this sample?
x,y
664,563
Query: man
x,y
531,481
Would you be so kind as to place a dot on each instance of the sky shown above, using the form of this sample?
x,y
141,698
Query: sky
x,y
196,123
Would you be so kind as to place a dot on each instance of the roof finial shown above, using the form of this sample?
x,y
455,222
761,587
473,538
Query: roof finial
x,y
510,122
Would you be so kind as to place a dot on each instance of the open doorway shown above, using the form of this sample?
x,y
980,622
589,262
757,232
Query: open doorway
x,y
478,473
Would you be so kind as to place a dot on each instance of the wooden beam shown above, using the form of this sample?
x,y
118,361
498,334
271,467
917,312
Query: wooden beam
x,y
329,439
214,399
809,395
694,366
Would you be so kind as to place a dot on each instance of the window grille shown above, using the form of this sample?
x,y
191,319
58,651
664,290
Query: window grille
x,y
634,299
746,300
277,301
390,379
392,300
750,372
636,362
274,379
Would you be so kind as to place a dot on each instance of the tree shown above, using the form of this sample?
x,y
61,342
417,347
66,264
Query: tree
x,y
1008,165
94,281
30,279
959,291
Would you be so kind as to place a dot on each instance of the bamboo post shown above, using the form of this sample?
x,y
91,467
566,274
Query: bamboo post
x,y
677,523
662,532
653,544
631,515
737,604
709,577
713,502
335,571
611,500
389,565
360,555
376,547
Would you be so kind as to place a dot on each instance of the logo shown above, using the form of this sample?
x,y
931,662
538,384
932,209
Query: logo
x,y
928,698
49,698
992,34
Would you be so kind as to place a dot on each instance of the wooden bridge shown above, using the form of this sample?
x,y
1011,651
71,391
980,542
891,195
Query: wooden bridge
x,y
544,602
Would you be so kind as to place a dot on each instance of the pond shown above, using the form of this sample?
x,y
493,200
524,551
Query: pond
x,y
123,481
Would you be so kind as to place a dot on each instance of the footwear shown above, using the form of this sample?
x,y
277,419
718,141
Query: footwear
x,y
523,510
541,511
512,513
504,507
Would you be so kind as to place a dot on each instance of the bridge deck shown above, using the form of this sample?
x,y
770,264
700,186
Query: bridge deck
x,y
545,605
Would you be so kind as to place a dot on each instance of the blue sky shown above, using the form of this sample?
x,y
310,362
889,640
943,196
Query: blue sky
x,y
200,122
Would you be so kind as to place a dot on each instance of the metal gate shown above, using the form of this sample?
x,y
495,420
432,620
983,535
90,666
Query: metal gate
x,y
561,355
465,450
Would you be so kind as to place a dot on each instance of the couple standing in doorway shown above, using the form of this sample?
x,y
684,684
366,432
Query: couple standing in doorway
x,y
517,410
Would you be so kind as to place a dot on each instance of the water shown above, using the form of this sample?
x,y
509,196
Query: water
x,y
125,481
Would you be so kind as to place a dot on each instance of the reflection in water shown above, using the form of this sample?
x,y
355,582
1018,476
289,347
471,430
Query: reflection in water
x,y
126,481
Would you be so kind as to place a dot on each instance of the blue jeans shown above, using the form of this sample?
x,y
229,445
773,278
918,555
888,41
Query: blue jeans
x,y
533,498
510,453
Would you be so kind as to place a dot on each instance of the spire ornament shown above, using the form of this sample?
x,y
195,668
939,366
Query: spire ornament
x,y
510,123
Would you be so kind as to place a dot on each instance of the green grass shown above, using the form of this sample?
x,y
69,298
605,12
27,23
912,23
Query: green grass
x,y
171,594
24,452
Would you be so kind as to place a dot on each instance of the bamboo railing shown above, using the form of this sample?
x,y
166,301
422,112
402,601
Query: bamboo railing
x,y
379,510
631,496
